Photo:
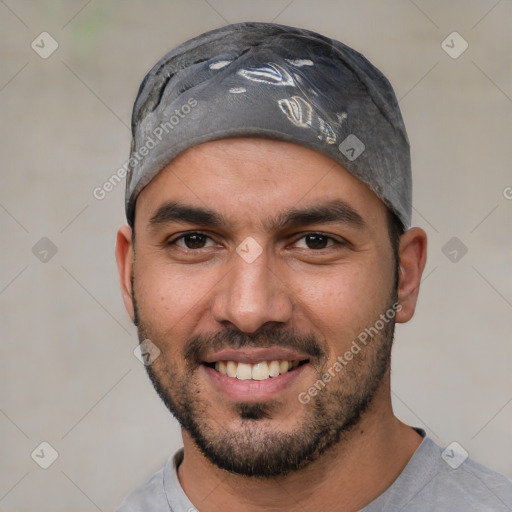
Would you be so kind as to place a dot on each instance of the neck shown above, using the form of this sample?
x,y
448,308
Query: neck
x,y
363,464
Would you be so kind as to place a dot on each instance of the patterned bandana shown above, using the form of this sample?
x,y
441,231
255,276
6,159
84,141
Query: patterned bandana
x,y
278,82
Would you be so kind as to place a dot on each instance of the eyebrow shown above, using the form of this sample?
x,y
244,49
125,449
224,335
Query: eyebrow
x,y
336,211
174,211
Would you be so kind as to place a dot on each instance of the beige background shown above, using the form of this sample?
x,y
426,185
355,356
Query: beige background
x,y
69,376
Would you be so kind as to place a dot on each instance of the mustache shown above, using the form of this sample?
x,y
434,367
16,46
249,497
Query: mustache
x,y
266,336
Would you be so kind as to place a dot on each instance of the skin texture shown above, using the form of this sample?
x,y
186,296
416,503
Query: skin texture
x,y
319,298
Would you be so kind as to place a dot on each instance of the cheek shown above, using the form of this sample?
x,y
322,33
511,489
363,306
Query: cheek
x,y
342,302
170,296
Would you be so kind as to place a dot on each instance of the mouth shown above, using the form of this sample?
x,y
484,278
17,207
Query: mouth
x,y
256,374
261,370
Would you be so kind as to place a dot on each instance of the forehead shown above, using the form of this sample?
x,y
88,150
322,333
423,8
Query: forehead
x,y
256,177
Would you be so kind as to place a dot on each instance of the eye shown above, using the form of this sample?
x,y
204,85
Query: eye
x,y
315,241
193,241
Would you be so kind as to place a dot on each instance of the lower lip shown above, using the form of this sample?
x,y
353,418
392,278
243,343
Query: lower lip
x,y
253,390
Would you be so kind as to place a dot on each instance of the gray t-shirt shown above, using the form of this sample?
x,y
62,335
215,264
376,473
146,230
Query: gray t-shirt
x,y
430,482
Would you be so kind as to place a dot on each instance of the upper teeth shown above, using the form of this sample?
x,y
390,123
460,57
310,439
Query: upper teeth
x,y
257,371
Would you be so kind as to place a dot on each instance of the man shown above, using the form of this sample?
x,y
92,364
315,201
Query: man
x,y
267,258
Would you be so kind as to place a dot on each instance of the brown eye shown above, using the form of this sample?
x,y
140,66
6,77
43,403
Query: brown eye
x,y
317,241
193,241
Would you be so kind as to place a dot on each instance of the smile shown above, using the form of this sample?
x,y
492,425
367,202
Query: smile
x,y
254,374
262,370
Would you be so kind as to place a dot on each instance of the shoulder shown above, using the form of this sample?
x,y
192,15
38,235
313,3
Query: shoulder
x,y
440,479
456,482
468,484
148,496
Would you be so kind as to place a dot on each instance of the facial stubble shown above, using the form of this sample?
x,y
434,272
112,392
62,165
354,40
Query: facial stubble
x,y
255,447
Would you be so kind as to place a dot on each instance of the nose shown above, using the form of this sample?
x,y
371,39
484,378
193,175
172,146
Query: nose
x,y
250,295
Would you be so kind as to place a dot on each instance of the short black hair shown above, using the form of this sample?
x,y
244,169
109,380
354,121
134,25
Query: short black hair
x,y
395,230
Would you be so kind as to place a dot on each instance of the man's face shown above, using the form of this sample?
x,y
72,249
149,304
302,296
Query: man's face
x,y
251,254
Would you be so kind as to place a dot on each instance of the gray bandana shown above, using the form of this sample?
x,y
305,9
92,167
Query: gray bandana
x,y
285,83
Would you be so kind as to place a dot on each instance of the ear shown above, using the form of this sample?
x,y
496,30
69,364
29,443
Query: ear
x,y
413,256
124,258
